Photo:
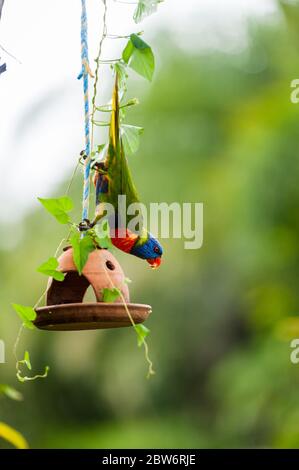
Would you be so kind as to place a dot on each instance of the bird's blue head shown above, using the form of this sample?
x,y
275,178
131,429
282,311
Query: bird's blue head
x,y
149,249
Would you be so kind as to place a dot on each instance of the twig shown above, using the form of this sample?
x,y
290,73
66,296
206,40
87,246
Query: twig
x,y
108,61
72,177
15,347
115,36
1,6
3,48
10,54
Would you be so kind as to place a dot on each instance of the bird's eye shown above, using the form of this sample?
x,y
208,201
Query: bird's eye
x,y
156,249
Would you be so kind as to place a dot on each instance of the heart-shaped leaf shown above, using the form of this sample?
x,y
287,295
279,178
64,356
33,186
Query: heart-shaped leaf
x,y
103,235
139,56
26,314
142,332
131,138
145,8
82,247
110,295
49,268
58,207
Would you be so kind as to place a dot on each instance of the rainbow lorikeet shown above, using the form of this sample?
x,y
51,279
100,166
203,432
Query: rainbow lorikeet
x,y
112,179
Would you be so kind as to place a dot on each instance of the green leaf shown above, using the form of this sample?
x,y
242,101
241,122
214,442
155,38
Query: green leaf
x,y
131,102
145,8
130,138
143,63
82,247
58,207
120,68
27,315
110,295
49,268
100,148
142,332
103,235
128,51
27,360
139,56
139,43
101,152
98,151
11,392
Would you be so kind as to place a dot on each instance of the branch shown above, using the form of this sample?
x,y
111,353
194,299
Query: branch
x,y
3,66
1,6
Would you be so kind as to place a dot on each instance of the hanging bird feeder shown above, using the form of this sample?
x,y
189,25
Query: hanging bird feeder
x,y
65,309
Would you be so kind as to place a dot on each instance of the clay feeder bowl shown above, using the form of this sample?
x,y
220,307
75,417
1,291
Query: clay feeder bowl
x,y
65,310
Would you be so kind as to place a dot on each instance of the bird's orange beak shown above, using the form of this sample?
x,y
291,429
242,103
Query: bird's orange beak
x,y
154,262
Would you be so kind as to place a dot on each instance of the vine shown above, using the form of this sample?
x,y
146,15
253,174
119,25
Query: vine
x,y
104,33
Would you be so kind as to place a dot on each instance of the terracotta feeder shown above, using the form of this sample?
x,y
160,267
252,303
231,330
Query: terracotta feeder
x,y
65,310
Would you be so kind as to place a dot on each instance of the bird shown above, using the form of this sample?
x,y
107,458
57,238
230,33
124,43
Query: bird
x,y
113,178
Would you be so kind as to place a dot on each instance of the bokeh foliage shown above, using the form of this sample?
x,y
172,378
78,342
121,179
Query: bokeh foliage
x,y
220,128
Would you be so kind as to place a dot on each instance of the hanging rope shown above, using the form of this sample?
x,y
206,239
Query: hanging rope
x,y
84,74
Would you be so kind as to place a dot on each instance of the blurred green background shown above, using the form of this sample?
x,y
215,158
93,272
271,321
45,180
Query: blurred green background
x,y
220,129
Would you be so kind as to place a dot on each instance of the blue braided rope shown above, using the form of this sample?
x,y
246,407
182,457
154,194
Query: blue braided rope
x,y
84,75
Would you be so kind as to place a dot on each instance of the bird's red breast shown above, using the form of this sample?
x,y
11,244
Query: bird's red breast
x,y
124,240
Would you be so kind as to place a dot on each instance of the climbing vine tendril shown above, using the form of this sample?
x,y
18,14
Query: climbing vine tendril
x,y
96,79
